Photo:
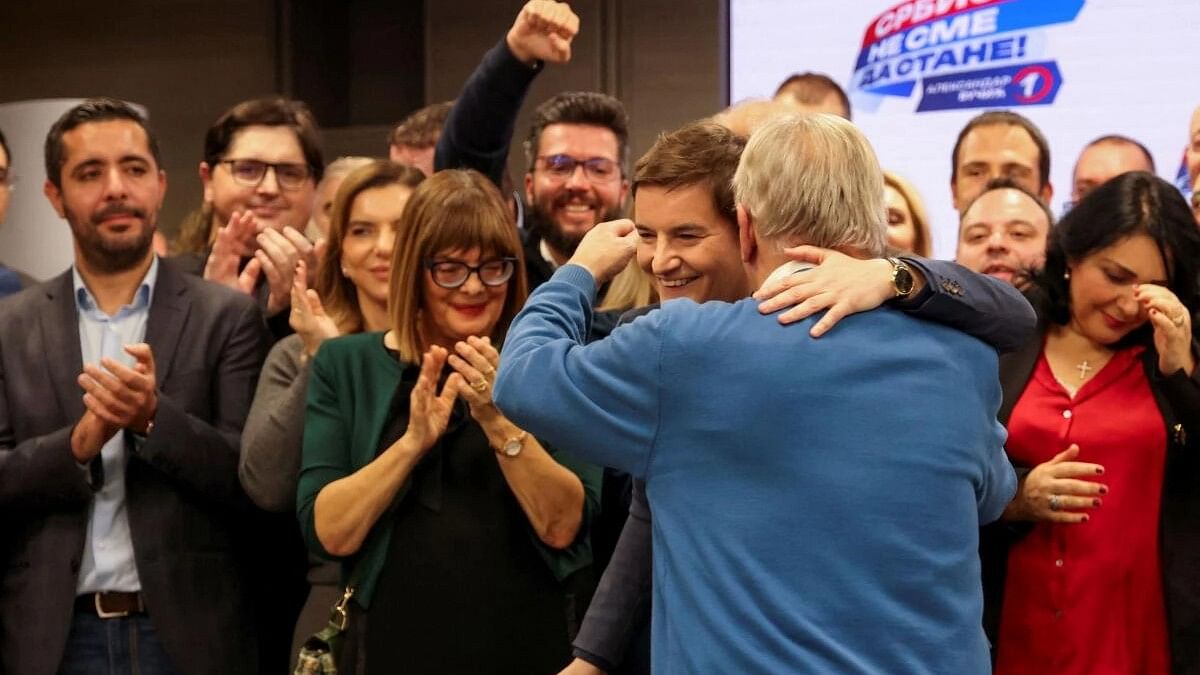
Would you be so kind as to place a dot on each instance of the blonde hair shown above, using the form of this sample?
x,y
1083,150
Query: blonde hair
x,y
631,288
922,238
338,293
813,177
453,209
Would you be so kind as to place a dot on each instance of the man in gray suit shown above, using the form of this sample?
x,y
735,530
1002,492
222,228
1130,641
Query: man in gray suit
x,y
123,388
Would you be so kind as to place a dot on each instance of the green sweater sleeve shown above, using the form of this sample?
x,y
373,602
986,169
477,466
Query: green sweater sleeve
x,y
326,457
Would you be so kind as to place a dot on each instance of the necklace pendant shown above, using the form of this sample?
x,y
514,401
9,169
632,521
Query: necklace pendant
x,y
1084,368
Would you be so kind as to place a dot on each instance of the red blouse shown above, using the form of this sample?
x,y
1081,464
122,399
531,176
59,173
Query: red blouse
x,y
1087,598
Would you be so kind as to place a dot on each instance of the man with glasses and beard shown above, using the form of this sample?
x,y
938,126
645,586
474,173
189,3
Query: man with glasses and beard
x,y
124,384
575,151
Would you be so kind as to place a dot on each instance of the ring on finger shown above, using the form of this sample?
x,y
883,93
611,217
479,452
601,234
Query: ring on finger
x,y
1178,320
480,386
1055,502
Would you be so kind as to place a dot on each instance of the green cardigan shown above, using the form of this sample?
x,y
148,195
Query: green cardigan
x,y
352,381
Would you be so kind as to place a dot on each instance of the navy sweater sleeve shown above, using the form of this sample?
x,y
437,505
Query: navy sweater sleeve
x,y
480,127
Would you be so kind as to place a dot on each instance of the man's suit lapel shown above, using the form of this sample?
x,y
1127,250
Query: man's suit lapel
x,y
168,314
60,338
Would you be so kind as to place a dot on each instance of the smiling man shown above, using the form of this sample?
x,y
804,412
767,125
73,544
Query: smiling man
x,y
262,162
764,440
575,150
1003,232
687,240
124,383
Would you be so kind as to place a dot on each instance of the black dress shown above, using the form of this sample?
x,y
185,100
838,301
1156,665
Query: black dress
x,y
464,588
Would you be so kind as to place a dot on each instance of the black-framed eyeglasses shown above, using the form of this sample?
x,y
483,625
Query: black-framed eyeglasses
x,y
597,169
251,172
454,273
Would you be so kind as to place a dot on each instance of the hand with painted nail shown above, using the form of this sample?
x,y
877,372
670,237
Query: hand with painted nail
x,y
1172,325
1061,490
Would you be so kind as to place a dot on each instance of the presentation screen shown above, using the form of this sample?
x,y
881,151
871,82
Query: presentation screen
x,y
917,71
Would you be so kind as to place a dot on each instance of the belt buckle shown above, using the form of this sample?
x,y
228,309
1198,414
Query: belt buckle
x,y
106,615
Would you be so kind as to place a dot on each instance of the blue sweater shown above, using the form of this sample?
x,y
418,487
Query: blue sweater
x,y
816,502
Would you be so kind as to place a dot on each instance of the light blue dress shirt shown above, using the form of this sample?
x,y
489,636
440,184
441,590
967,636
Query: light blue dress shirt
x,y
108,563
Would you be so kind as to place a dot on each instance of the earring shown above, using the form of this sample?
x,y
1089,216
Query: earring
x,y
345,273
1067,275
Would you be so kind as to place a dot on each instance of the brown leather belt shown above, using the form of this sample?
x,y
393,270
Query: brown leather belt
x,y
110,604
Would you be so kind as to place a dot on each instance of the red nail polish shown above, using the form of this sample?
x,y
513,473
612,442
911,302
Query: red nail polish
x,y
1095,502
1085,518
1103,490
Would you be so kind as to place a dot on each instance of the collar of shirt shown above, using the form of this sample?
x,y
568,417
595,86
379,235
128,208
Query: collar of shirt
x,y
545,251
786,269
86,302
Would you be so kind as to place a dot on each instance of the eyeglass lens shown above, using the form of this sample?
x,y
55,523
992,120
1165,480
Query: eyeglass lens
x,y
452,274
250,172
597,169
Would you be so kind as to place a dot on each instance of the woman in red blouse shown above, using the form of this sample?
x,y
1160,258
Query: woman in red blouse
x,y
1096,567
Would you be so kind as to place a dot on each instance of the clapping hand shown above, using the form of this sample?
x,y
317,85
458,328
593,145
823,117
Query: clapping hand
x,y
476,360
277,255
429,411
230,246
308,317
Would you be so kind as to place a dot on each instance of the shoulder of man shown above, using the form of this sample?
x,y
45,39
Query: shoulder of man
x,y
28,301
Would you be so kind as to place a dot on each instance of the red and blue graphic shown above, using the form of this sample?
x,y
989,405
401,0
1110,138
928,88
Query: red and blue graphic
x,y
1182,180
964,53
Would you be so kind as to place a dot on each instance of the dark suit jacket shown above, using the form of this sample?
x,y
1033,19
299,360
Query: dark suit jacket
x,y
1178,399
182,490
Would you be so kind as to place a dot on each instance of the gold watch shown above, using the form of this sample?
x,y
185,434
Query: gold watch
x,y
513,446
902,278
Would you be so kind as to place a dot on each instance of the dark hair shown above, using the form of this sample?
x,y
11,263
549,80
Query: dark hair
x,y
273,111
1118,139
1006,183
701,153
1137,202
1012,119
102,109
4,147
422,128
813,88
579,107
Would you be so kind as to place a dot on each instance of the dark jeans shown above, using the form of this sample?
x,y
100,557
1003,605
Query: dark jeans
x,y
125,646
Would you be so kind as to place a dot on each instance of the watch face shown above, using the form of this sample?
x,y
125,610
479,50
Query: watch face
x,y
512,448
904,281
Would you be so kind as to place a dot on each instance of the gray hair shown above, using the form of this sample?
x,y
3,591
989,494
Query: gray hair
x,y
342,166
813,177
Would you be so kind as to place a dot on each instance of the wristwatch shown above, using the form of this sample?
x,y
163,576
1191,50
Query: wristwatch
x,y
512,447
902,278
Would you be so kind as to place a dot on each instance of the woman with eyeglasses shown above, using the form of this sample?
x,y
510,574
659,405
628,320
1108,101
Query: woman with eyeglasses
x,y
1096,567
460,533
